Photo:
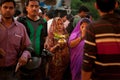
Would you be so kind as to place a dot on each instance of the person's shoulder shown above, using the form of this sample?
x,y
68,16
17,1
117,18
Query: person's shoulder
x,y
42,21
77,17
19,24
22,18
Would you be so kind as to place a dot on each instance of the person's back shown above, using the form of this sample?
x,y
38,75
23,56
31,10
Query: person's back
x,y
102,45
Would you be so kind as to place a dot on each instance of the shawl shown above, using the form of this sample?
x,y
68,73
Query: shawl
x,y
60,59
57,27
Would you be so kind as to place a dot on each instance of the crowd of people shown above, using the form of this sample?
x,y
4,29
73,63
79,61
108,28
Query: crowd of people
x,y
52,45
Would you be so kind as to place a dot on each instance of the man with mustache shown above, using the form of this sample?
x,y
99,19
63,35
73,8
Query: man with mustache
x,y
37,31
14,41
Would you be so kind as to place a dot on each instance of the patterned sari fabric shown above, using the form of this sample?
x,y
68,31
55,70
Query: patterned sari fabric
x,y
57,44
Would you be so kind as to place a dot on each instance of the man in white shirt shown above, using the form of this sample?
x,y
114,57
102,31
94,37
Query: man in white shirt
x,y
49,17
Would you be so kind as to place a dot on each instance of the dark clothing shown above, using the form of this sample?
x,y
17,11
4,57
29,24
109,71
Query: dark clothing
x,y
33,74
37,31
102,48
70,27
36,24
7,73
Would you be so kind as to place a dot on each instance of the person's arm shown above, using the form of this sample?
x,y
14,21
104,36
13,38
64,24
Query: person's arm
x,y
89,55
26,48
75,42
86,75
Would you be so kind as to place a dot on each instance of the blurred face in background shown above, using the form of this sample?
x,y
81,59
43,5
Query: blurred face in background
x,y
64,18
33,8
83,14
60,25
7,10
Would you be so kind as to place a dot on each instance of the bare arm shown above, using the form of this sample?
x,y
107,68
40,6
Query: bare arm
x,y
75,42
86,75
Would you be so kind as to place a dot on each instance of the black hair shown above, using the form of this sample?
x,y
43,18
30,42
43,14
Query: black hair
x,y
24,11
86,20
60,13
63,13
17,13
70,17
89,15
56,13
4,1
106,5
43,10
83,8
50,14
27,2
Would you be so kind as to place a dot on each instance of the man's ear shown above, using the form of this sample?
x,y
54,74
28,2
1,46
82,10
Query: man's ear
x,y
96,6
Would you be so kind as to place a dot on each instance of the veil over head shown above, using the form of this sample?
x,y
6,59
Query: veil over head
x,y
77,51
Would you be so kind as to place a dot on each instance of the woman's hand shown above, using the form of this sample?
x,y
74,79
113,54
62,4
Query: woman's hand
x,y
52,49
83,29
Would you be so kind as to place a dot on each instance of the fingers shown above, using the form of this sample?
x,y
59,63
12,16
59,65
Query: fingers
x,y
22,61
2,52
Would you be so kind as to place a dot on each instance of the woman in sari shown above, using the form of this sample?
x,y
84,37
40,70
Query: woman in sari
x,y
56,43
76,44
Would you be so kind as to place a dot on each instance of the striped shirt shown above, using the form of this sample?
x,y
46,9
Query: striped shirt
x,y
102,48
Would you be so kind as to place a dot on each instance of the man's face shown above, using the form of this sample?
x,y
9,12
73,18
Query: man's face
x,y
83,14
7,10
33,8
